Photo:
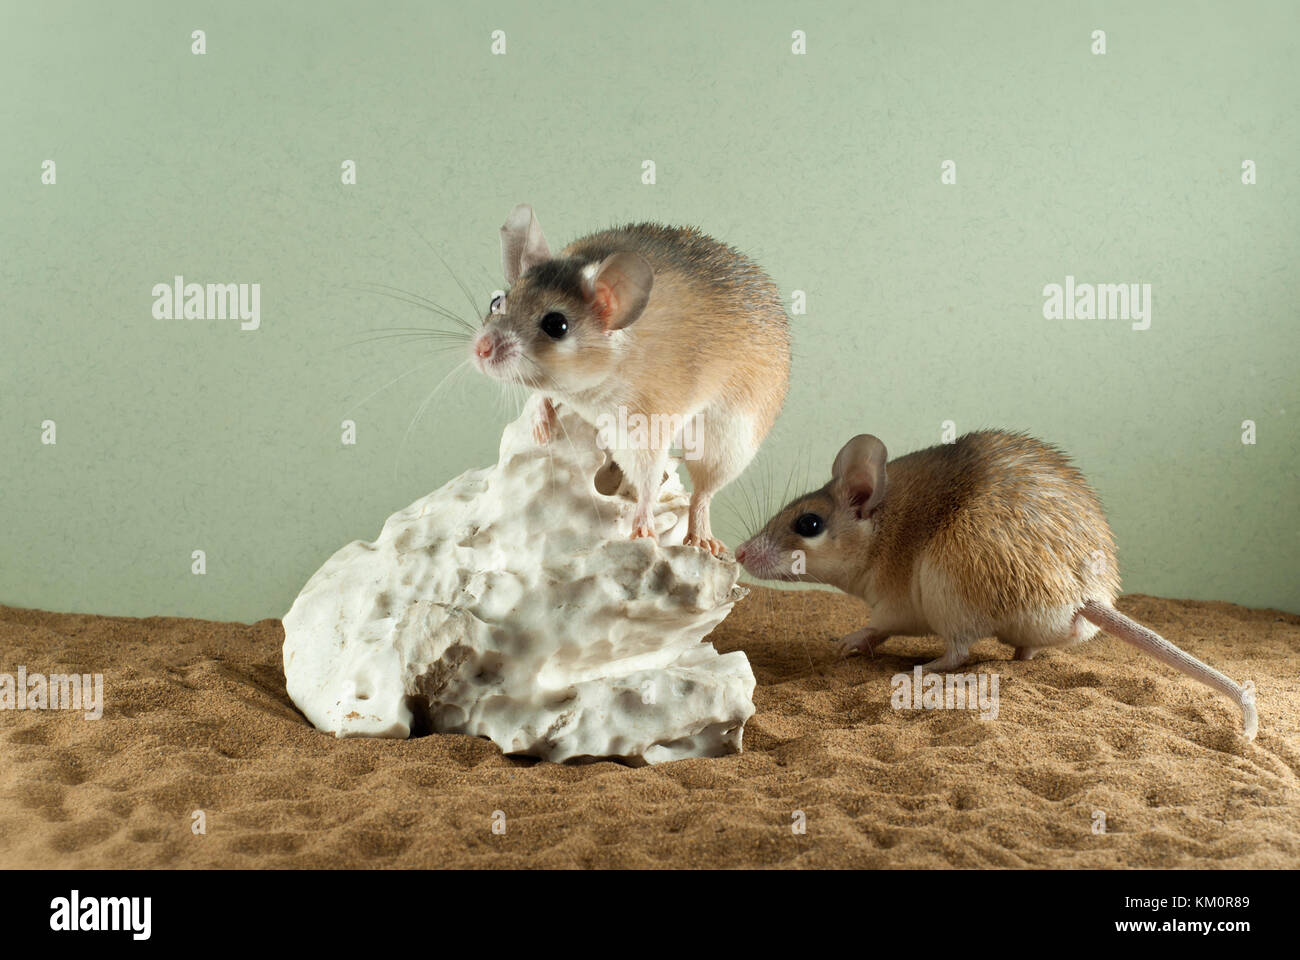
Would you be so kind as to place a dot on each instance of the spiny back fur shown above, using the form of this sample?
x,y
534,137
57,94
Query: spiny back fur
x,y
1008,517
724,334
711,266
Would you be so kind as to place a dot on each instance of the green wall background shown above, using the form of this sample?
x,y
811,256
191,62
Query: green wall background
x,y
924,299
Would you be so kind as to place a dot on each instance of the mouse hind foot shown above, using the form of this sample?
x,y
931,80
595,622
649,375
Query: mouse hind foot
x,y
957,654
699,532
718,447
706,542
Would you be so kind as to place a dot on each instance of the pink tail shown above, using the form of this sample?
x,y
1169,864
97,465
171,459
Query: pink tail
x,y
1130,631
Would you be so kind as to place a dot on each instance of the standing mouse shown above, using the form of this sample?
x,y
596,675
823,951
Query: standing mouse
x,y
644,321
996,534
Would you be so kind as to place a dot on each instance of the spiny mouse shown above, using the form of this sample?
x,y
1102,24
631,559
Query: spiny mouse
x,y
995,534
657,322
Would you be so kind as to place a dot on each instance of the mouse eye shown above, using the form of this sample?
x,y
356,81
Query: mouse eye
x,y
498,303
809,525
555,325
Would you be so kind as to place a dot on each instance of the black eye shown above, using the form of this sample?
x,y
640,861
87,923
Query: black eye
x,y
495,305
555,325
809,525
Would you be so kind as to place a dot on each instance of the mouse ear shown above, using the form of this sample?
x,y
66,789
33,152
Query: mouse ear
x,y
859,478
522,243
618,288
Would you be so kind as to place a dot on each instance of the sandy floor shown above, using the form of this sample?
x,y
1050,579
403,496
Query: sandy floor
x,y
196,717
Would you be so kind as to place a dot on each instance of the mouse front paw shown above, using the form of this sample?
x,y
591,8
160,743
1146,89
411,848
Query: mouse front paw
x,y
545,423
860,641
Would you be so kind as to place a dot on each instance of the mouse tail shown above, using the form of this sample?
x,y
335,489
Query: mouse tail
x,y
1148,641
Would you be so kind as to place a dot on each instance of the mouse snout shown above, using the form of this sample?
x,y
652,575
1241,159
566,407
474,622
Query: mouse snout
x,y
493,351
758,557
497,354
487,344
763,558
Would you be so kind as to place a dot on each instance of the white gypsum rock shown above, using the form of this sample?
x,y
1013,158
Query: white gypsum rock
x,y
512,604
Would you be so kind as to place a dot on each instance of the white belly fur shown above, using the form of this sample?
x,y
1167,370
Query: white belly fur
x,y
933,607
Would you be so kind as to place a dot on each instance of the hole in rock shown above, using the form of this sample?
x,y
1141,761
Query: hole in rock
x,y
421,721
609,478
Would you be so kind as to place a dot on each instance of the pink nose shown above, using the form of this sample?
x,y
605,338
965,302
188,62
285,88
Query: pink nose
x,y
484,347
740,554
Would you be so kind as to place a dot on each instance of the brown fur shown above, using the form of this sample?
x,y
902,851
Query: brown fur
x,y
1008,517
995,534
712,341
715,324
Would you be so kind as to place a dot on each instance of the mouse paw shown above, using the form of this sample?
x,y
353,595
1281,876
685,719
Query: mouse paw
x,y
944,664
715,547
643,528
860,641
544,424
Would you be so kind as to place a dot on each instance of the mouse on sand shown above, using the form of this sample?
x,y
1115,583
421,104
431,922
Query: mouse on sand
x,y
995,534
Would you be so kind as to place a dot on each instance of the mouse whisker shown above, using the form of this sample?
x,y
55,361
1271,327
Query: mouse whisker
x,y
464,364
451,338
418,301
752,511
473,304
417,368
436,330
